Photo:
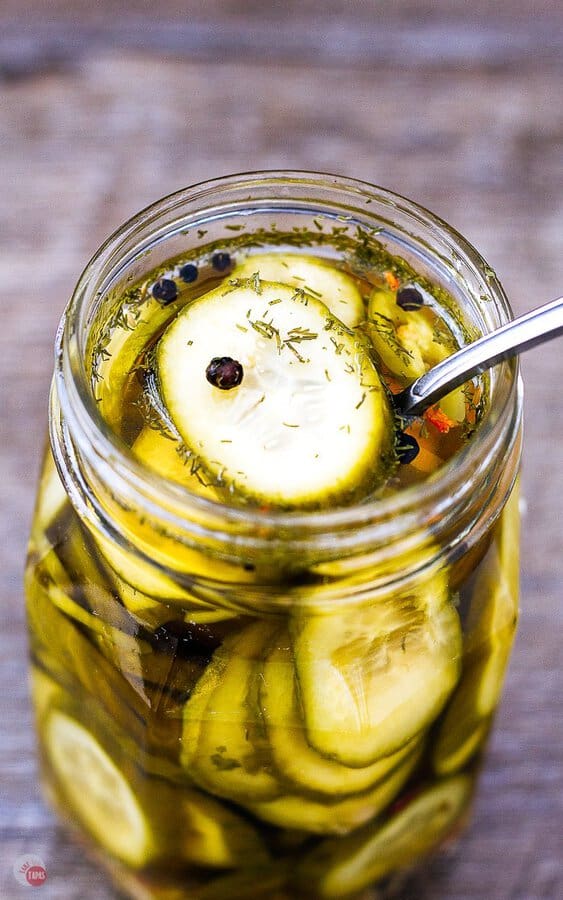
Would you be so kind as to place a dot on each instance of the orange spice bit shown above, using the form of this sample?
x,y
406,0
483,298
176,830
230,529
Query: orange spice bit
x,y
394,385
427,460
392,281
474,395
439,419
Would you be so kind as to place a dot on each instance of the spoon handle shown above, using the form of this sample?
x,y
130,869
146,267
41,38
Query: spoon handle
x,y
527,331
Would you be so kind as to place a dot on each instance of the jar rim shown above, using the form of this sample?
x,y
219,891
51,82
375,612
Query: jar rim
x,y
79,408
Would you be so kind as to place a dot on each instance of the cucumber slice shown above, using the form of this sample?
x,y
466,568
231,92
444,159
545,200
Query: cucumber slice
x,y
150,552
113,355
372,678
60,590
91,666
336,816
491,628
404,340
160,453
318,277
139,573
461,736
310,423
86,582
223,745
213,835
264,883
138,823
340,868
293,756
97,791
51,497
45,691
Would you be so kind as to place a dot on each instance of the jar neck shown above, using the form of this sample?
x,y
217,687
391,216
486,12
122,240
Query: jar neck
x,y
454,505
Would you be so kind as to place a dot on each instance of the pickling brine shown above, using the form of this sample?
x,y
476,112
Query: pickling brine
x,y
269,620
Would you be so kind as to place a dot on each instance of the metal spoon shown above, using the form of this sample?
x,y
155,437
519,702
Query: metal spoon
x,y
536,327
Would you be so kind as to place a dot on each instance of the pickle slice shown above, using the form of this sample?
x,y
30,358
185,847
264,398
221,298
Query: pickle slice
x,y
139,573
372,678
336,816
339,868
404,340
491,628
45,691
97,790
408,344
309,423
137,823
215,836
51,497
264,882
318,277
161,454
293,756
223,744
115,354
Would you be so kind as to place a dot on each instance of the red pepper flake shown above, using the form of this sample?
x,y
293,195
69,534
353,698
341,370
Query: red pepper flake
x,y
438,418
392,281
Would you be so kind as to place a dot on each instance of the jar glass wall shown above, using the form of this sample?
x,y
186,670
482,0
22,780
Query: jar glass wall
x,y
243,701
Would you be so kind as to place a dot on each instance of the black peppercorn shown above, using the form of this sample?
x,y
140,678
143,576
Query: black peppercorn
x,y
164,290
224,373
221,261
409,298
407,448
189,273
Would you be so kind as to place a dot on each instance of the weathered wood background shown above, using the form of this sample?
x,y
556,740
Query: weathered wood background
x,y
107,106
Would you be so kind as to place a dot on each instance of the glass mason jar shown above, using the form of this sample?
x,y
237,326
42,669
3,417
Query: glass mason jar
x,y
244,702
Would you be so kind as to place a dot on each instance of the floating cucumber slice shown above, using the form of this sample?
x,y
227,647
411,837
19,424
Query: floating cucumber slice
x,y
336,816
223,744
491,627
408,344
293,756
97,790
405,340
114,357
337,868
310,422
372,678
318,277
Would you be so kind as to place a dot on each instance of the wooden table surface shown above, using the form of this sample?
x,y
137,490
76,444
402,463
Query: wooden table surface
x,y
108,106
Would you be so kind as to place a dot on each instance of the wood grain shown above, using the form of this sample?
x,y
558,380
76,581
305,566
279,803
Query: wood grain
x,y
105,111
